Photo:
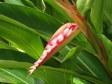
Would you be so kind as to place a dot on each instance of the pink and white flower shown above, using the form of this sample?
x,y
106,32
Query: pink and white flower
x,y
62,36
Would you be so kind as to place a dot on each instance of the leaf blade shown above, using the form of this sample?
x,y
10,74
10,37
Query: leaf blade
x,y
27,39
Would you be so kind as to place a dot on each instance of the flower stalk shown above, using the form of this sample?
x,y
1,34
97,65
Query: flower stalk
x,y
72,11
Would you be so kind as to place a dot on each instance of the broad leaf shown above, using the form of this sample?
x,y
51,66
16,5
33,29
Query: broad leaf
x,y
61,76
88,64
21,35
7,54
93,65
48,75
34,18
55,10
15,76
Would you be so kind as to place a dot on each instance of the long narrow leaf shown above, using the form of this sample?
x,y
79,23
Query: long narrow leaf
x,y
31,17
21,35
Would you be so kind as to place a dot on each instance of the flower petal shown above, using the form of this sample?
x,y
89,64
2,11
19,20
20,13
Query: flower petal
x,y
62,36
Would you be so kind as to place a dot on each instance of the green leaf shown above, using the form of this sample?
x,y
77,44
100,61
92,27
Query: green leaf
x,y
15,76
44,24
17,2
7,54
14,64
96,15
65,54
24,37
43,73
61,76
39,4
82,41
49,75
108,46
55,10
78,81
108,18
108,10
20,2
84,5
4,45
94,66
53,76
88,64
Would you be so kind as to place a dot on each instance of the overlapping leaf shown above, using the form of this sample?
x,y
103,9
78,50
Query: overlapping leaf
x,y
21,35
15,76
108,47
44,24
21,32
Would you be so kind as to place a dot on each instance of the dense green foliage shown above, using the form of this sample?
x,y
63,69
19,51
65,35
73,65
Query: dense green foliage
x,y
26,26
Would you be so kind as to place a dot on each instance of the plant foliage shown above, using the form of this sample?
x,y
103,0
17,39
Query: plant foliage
x,y
27,25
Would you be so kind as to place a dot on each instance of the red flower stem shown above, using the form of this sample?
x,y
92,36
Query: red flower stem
x,y
85,28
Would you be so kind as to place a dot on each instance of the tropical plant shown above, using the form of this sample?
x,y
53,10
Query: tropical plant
x,y
83,50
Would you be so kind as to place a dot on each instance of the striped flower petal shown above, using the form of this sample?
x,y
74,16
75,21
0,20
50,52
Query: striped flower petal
x,y
62,36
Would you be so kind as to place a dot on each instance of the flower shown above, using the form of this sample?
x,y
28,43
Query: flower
x,y
62,36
